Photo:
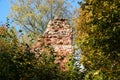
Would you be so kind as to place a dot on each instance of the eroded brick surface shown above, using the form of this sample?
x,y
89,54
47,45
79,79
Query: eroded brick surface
x,y
58,34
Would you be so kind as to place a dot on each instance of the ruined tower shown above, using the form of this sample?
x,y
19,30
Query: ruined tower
x,y
58,34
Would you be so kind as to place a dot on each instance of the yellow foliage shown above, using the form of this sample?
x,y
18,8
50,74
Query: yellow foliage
x,y
96,72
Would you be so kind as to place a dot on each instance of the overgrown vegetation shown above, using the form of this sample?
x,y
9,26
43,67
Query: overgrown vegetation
x,y
97,30
18,63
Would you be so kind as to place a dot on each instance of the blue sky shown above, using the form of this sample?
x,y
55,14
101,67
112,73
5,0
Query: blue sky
x,y
5,8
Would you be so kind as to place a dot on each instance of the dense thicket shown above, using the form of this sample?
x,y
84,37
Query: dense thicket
x,y
16,60
18,63
98,30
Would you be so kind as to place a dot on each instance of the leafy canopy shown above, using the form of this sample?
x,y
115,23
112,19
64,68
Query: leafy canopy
x,y
98,30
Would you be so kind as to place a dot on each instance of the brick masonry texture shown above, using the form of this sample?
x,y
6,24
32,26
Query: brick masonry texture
x,y
58,34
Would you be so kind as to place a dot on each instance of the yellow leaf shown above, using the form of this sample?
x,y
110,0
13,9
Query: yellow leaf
x,y
96,72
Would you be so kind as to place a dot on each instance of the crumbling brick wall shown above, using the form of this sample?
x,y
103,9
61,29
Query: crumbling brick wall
x,y
58,34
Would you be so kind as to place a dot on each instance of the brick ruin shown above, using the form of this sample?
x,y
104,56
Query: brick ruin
x,y
58,34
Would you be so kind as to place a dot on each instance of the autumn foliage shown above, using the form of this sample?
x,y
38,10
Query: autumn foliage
x,y
96,39
97,35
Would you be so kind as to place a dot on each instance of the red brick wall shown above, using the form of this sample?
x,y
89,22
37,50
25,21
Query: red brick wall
x,y
58,34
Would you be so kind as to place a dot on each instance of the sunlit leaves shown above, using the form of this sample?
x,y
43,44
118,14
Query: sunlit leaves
x,y
32,16
35,14
100,48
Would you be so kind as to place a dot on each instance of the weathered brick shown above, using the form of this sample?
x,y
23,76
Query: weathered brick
x,y
58,34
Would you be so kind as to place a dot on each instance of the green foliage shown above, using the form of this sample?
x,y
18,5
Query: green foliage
x,y
98,30
18,63
33,15
8,49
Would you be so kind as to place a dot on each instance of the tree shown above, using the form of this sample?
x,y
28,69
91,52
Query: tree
x,y
98,30
33,15
17,62
8,49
